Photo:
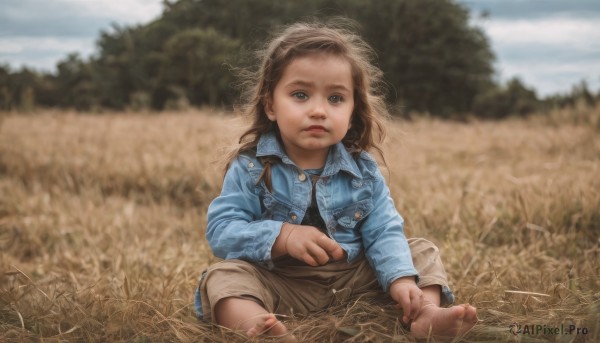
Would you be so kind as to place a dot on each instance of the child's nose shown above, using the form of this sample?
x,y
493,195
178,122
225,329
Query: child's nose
x,y
319,109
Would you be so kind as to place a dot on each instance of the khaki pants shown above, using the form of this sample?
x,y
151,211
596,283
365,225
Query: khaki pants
x,y
292,287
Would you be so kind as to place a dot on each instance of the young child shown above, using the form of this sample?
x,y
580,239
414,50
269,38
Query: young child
x,y
305,220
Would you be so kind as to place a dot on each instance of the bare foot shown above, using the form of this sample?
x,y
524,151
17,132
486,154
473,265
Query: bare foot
x,y
434,321
268,324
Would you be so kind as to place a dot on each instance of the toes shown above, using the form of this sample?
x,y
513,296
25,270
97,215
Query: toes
x,y
269,323
459,312
253,331
468,319
263,325
471,315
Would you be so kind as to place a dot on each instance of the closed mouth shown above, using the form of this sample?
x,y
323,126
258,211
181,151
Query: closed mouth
x,y
316,128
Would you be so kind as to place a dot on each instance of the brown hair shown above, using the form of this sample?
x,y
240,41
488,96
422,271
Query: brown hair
x,y
366,132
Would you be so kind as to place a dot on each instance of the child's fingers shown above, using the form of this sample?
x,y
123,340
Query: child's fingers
x,y
337,253
313,247
415,303
408,297
406,306
411,303
331,247
316,254
308,259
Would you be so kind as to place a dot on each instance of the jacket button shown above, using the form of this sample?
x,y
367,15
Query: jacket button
x,y
357,215
301,177
250,165
294,217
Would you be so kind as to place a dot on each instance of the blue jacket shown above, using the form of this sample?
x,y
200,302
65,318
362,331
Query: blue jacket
x,y
352,197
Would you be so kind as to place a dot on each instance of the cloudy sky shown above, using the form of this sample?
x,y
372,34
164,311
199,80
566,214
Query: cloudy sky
x,y
550,44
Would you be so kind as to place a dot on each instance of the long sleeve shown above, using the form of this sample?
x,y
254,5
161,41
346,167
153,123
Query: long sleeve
x,y
235,228
383,238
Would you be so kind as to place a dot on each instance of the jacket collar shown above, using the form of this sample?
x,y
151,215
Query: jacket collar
x,y
337,159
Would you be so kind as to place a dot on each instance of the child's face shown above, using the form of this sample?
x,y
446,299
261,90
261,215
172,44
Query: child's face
x,y
312,105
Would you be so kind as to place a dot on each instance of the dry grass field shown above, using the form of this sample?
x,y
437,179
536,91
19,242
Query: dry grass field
x,y
102,225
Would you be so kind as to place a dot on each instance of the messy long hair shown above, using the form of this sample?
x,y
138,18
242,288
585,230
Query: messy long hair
x,y
366,131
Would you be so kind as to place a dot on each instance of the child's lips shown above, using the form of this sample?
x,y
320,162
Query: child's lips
x,y
316,128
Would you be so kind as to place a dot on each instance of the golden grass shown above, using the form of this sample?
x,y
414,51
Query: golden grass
x,y
102,217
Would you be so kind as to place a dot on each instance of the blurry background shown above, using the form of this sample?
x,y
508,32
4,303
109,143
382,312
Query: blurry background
x,y
102,215
490,58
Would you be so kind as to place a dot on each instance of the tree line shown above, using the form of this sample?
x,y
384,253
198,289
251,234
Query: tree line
x,y
434,61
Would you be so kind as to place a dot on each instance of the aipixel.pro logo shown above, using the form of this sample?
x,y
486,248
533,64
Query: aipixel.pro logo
x,y
538,329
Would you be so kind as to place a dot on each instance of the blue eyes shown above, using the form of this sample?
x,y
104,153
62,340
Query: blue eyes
x,y
300,95
334,99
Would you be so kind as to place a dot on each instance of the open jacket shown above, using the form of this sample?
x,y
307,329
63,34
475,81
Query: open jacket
x,y
352,197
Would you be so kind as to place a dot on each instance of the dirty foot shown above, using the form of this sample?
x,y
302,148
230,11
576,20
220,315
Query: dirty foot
x,y
434,321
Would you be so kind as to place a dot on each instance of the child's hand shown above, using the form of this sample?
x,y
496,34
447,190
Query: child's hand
x,y
408,296
306,243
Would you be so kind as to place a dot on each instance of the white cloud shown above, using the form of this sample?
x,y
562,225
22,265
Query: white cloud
x,y
72,17
10,45
551,53
551,77
39,33
581,33
42,52
121,11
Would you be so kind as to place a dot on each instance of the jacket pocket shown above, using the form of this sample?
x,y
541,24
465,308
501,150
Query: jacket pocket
x,y
274,209
350,216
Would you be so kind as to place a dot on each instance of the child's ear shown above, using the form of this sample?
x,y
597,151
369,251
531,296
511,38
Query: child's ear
x,y
268,106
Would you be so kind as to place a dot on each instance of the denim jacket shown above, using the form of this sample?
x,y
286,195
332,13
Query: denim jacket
x,y
352,197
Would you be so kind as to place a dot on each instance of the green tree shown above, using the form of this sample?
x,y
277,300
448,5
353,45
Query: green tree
x,y
73,84
501,101
18,89
115,71
6,95
196,60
